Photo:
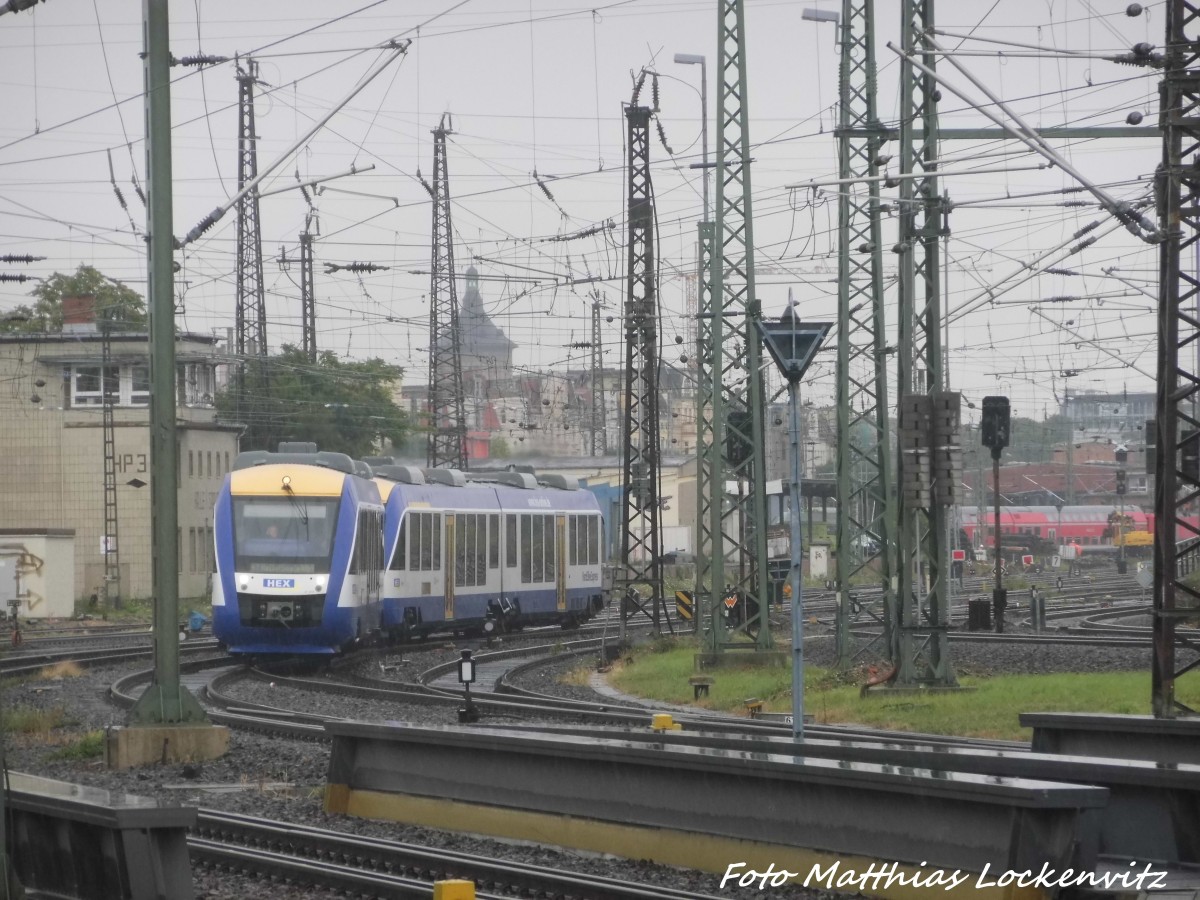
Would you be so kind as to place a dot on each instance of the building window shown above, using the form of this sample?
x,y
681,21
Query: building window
x,y
191,464
89,389
139,385
208,457
196,383
127,385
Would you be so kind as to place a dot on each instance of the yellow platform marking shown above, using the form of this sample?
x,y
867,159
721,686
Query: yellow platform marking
x,y
706,853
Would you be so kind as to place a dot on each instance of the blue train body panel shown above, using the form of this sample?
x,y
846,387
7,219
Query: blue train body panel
x,y
479,557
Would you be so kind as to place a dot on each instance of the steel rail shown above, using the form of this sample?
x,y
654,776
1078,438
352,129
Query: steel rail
x,y
394,868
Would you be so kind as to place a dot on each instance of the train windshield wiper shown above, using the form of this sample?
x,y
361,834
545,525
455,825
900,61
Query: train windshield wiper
x,y
301,508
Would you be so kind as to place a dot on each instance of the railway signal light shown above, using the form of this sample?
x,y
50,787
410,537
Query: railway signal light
x,y
1122,483
995,425
467,713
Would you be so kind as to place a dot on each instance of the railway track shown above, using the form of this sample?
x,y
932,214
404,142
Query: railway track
x,y
374,867
25,664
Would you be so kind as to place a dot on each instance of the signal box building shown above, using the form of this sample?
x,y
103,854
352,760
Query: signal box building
x,y
51,405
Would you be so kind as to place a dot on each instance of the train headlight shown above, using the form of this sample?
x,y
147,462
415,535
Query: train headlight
x,y
319,584
244,582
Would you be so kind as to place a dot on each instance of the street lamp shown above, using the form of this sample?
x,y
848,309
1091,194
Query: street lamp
x,y
696,59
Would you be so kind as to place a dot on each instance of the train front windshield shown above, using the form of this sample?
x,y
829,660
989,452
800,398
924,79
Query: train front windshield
x,y
283,537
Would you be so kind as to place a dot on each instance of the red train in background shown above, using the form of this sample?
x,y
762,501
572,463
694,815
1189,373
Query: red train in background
x,y
1045,527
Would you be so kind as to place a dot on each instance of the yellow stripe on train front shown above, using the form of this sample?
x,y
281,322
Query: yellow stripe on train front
x,y
308,481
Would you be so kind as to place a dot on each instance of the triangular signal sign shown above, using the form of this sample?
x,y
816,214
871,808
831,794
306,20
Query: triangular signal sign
x,y
792,343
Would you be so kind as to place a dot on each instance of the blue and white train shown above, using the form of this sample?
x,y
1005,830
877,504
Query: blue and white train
x,y
468,554
316,552
299,553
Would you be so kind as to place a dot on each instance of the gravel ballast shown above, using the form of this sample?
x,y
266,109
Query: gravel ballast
x,y
283,779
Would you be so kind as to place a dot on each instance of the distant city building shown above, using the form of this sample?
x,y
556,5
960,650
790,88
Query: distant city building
x,y
485,350
53,444
1114,416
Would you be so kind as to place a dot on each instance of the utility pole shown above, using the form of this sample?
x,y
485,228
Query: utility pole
x,y
922,655
250,317
308,303
1069,493
447,418
599,438
166,702
707,599
865,527
641,553
109,393
736,543
1177,455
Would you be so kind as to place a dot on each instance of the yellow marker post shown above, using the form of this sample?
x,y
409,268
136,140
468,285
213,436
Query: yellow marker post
x,y
454,890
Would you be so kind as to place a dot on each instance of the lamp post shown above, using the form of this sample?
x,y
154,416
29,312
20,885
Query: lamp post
x,y
696,59
792,345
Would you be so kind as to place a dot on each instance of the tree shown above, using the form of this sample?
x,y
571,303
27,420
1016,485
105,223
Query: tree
x,y
345,407
498,448
116,304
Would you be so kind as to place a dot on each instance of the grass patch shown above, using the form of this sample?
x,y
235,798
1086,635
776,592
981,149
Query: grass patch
x,y
989,710
68,668
90,746
31,720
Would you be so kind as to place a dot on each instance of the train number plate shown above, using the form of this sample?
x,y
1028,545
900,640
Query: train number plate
x,y
279,582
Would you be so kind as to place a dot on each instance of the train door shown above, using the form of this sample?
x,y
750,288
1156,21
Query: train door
x,y
560,541
448,558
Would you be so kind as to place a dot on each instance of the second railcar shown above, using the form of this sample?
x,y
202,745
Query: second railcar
x,y
473,555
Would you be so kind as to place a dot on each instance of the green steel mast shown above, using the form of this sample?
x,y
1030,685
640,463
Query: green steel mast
x,y
737,550
923,654
865,527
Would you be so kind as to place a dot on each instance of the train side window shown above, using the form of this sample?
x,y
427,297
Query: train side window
x,y
470,555
437,541
464,549
548,538
420,548
537,548
594,533
526,549
481,548
573,540
493,542
357,558
510,541
398,556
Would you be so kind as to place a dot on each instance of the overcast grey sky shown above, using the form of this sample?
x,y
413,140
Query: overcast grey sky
x,y
538,85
